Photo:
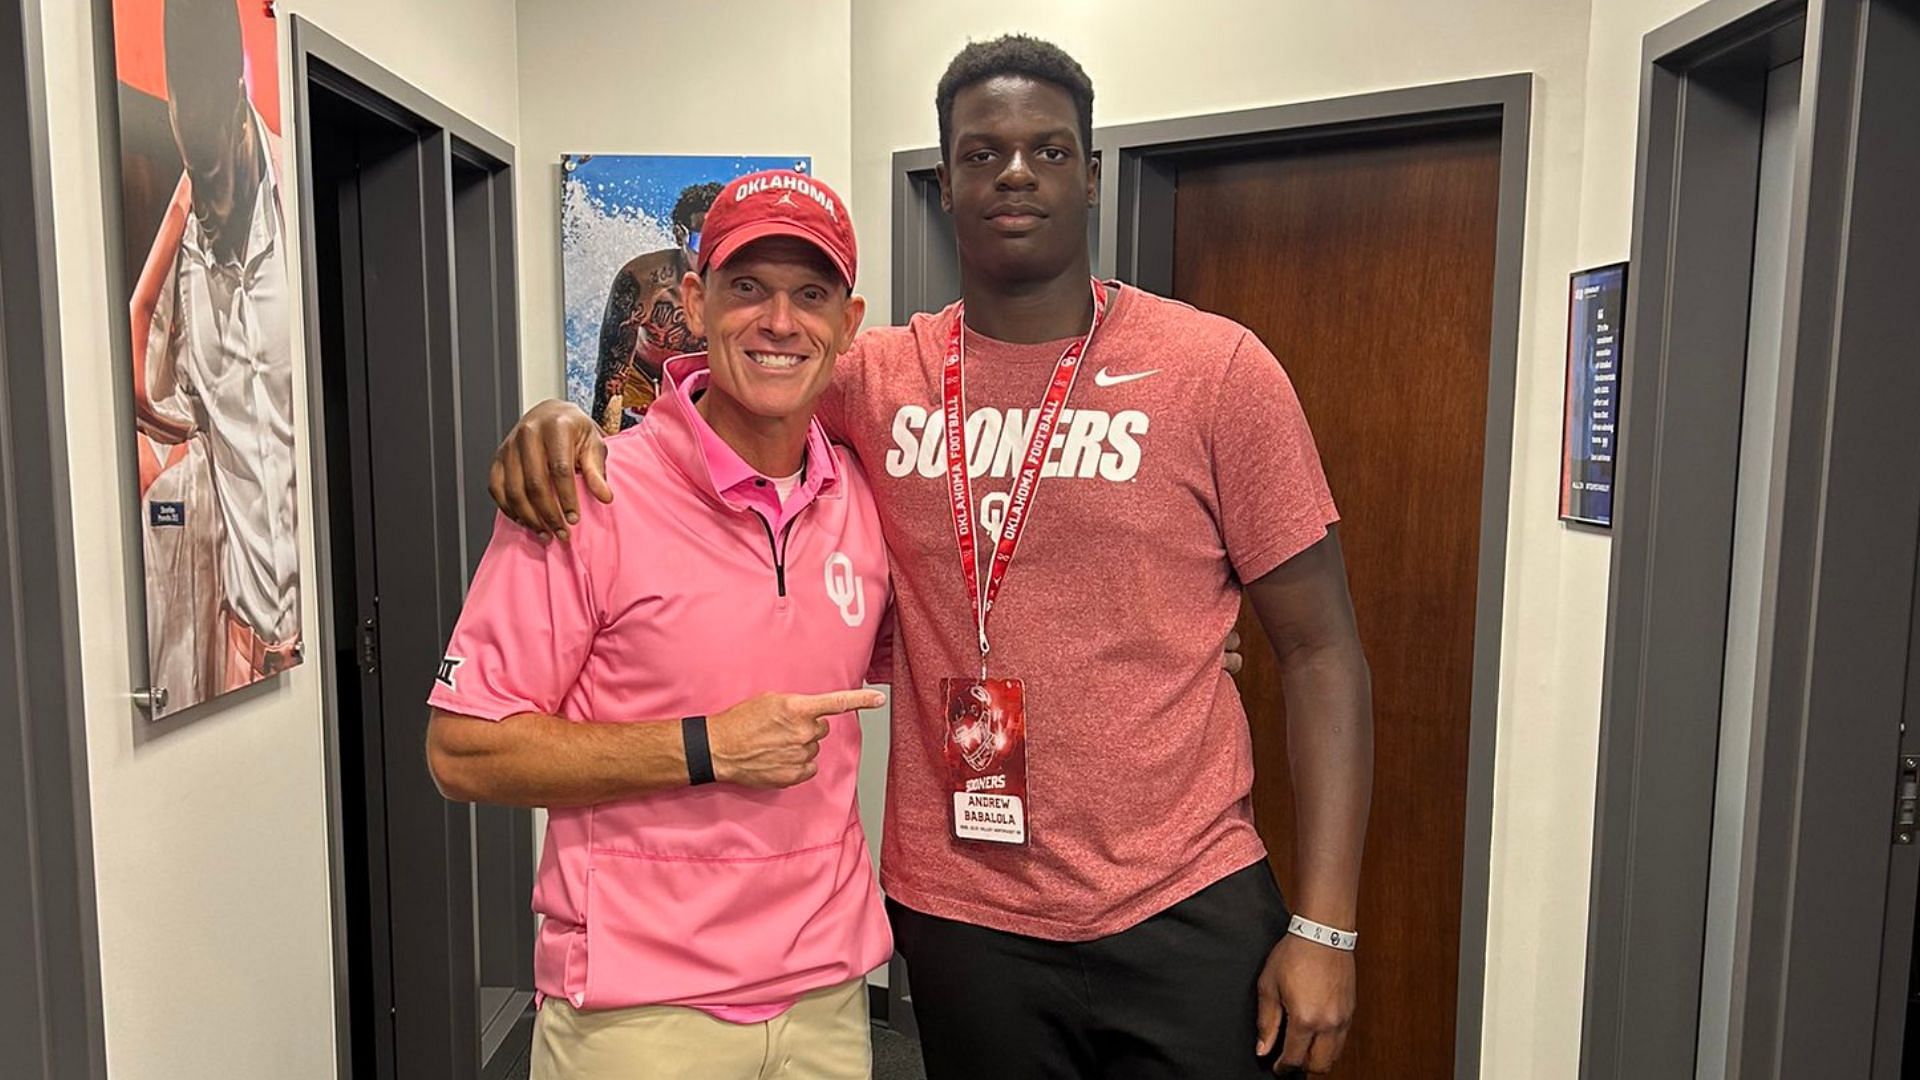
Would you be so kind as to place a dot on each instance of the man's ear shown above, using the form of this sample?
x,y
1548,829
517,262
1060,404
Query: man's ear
x,y
856,314
1093,180
946,187
693,301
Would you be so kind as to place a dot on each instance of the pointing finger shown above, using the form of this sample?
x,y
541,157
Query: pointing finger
x,y
844,701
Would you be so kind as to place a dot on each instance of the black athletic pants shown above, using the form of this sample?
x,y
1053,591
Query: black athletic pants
x,y
1171,997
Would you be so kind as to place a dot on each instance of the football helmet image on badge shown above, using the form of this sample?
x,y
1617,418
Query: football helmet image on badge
x,y
980,729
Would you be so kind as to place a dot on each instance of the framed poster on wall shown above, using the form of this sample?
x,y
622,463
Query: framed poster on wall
x,y
629,228
1596,321
211,311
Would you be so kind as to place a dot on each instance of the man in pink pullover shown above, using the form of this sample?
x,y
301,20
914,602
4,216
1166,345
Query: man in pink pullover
x,y
672,685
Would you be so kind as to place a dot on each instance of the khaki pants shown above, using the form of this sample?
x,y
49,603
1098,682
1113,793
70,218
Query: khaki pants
x,y
823,1037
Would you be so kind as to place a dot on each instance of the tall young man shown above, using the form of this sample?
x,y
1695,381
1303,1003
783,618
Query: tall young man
x,y
709,905
1074,875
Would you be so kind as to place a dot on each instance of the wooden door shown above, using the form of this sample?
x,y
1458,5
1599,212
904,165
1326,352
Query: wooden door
x,y
1367,267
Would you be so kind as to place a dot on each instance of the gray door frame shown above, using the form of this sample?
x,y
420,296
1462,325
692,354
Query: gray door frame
x,y
1697,188
450,146
1849,534
50,1009
922,237
1837,601
1134,242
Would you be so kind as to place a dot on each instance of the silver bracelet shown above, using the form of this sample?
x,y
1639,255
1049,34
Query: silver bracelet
x,y
1344,940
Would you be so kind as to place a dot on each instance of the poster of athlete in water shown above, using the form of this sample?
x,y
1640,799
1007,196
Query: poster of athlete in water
x,y
629,225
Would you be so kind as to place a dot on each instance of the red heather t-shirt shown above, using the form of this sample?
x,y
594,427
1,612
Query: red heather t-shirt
x,y
1181,468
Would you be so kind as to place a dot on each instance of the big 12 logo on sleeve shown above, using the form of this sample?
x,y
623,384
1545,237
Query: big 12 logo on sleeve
x,y
986,750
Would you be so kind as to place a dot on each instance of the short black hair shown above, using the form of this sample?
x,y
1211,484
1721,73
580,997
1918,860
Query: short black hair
x,y
1015,54
203,51
694,199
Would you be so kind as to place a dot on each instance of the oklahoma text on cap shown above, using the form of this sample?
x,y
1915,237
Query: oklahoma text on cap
x,y
779,203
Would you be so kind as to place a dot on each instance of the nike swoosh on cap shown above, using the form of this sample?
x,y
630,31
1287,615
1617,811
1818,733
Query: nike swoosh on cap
x,y
1102,378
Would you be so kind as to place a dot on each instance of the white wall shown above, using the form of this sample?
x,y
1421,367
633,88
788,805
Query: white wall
x,y
210,841
1147,62
1613,120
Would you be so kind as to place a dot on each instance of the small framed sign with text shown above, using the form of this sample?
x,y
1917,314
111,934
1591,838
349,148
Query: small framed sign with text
x,y
1596,323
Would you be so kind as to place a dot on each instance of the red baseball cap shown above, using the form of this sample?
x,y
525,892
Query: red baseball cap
x,y
778,203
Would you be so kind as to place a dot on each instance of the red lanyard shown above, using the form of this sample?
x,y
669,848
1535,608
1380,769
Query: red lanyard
x,y
960,486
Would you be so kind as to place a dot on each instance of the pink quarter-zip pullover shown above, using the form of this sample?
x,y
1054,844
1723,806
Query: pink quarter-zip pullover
x,y
695,590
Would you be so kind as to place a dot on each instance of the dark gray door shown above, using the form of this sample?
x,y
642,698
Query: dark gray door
x,y
1753,886
49,981
418,380
488,374
396,576
1839,683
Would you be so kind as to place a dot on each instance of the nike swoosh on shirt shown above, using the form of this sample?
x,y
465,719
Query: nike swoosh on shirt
x,y
1101,378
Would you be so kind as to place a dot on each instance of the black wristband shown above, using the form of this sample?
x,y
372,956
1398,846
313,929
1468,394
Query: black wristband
x,y
693,732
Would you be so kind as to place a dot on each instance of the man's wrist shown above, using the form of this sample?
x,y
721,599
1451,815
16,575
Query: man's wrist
x,y
1322,934
1329,905
693,736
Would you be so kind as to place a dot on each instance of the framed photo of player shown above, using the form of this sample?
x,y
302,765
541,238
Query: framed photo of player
x,y
1596,324
629,226
211,314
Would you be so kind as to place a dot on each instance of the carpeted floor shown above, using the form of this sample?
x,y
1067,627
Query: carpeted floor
x,y
896,1057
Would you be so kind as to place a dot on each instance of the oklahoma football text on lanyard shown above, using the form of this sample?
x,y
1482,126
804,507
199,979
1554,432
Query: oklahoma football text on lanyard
x,y
987,718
